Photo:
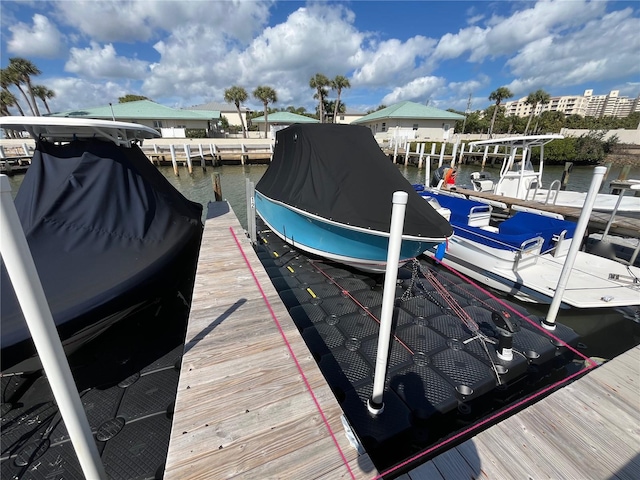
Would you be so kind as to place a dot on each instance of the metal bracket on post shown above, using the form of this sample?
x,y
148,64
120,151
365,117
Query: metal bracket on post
x,y
251,211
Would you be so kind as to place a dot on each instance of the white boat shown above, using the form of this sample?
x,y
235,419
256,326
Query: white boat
x,y
520,179
524,256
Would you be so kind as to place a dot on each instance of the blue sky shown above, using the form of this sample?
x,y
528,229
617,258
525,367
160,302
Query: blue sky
x,y
183,53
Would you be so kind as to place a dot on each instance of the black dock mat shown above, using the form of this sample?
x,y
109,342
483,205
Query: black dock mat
x,y
127,380
443,371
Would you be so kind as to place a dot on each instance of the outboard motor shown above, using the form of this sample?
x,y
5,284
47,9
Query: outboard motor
x,y
438,175
481,182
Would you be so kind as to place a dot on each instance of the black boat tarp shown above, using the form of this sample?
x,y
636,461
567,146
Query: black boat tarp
x,y
107,233
340,173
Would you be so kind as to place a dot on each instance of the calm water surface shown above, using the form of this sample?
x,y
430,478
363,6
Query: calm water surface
x,y
605,332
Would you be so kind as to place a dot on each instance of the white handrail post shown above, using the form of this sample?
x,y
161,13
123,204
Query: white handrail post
x,y
550,321
375,404
453,154
24,277
441,154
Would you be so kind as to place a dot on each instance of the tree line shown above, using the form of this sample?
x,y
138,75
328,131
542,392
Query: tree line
x,y
320,83
493,119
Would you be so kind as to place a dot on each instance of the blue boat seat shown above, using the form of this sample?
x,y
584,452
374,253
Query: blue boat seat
x,y
514,231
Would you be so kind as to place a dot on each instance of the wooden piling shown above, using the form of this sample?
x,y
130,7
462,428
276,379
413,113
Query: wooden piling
x,y
174,162
217,189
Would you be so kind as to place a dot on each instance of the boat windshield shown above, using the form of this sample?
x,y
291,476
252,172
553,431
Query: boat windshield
x,y
517,166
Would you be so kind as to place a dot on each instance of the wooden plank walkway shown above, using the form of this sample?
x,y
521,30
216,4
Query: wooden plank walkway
x,y
243,407
589,429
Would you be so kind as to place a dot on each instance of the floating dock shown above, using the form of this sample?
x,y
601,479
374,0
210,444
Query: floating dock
x,y
588,429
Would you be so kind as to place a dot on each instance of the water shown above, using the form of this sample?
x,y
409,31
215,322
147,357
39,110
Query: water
x,y
605,332
199,185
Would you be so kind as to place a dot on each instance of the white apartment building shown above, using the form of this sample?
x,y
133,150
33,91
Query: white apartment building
x,y
587,105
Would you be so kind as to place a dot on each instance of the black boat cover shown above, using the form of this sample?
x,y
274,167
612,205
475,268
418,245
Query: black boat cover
x,y
340,173
106,231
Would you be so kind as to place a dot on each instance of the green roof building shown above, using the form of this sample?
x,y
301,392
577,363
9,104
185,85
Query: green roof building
x,y
171,122
412,121
279,120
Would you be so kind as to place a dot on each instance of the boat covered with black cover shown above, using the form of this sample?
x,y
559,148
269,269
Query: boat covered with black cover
x,y
108,234
329,190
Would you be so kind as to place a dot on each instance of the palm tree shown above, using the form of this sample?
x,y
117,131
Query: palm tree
x,y
320,82
338,84
23,70
43,93
10,77
543,98
266,95
534,99
237,95
8,98
498,95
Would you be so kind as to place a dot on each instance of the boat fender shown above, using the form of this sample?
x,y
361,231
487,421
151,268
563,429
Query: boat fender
x,y
506,329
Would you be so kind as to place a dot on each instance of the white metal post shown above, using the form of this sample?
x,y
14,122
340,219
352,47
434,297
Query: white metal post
x,y
550,321
26,283
375,403
453,154
251,210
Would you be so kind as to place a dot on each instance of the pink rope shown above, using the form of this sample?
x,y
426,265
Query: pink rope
x,y
295,359
355,300
476,426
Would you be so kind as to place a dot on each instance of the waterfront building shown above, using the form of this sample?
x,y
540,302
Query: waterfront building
x,y
170,122
411,120
586,105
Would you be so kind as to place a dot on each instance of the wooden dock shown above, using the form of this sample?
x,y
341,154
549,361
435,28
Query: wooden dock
x,y
209,154
589,429
251,401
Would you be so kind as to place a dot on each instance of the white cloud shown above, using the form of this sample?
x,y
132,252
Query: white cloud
x,y
41,40
418,90
202,62
393,61
581,56
103,62
195,50
76,93
128,21
507,35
